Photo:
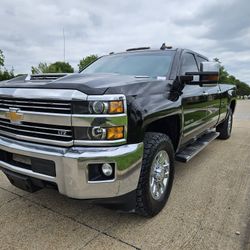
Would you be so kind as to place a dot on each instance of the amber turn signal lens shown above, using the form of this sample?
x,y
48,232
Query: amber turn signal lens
x,y
116,107
211,78
115,133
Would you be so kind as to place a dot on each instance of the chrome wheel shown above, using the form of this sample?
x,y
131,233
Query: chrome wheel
x,y
229,124
159,175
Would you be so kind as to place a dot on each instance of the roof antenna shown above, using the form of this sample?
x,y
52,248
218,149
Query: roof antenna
x,y
164,46
63,45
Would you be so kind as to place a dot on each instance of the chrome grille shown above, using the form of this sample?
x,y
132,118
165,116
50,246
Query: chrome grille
x,y
36,130
37,106
48,116
41,130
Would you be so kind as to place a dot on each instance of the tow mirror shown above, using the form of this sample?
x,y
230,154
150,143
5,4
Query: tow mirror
x,y
208,74
186,79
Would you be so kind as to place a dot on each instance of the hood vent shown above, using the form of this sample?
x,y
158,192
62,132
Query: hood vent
x,y
45,77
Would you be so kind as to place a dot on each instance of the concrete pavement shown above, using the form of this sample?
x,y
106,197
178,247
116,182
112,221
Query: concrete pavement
x,y
209,208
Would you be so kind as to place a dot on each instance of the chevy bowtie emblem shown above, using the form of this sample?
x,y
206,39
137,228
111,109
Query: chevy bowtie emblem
x,y
14,115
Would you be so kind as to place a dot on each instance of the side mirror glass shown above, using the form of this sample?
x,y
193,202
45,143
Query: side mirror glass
x,y
210,67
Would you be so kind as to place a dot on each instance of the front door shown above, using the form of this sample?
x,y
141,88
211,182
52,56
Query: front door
x,y
194,101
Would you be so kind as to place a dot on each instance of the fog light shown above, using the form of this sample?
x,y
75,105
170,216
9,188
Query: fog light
x,y
107,169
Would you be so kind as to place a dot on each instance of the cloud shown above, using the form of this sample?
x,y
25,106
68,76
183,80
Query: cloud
x,y
31,31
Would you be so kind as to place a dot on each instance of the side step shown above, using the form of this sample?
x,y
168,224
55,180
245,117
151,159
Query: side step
x,y
193,149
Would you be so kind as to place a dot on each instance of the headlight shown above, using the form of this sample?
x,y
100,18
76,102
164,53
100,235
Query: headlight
x,y
111,133
116,107
106,107
99,133
100,119
98,107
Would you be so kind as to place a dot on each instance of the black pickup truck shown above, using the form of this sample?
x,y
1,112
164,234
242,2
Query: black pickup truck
x,y
112,132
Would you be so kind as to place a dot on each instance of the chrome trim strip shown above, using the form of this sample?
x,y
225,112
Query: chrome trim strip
x,y
99,143
44,94
65,119
32,147
35,107
34,102
36,139
114,97
105,120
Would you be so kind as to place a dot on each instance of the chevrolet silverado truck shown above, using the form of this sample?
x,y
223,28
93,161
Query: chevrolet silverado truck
x,y
112,132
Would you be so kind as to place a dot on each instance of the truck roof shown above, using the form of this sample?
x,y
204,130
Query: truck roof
x,y
148,49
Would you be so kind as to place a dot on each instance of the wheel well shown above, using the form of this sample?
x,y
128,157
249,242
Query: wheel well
x,y
232,105
169,126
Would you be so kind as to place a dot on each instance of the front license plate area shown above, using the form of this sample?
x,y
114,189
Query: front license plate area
x,y
22,159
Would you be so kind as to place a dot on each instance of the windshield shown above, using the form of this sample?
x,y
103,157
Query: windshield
x,y
152,64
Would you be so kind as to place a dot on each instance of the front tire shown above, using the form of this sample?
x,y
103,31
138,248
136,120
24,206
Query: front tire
x,y
225,128
157,174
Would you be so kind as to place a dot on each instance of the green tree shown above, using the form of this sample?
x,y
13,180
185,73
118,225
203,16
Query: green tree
x,y
41,68
4,73
57,67
225,77
86,61
1,58
61,67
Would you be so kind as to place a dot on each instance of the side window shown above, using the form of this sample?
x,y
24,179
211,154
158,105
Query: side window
x,y
188,64
201,59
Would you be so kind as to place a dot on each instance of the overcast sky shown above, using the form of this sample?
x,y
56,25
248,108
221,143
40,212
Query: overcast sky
x,y
31,31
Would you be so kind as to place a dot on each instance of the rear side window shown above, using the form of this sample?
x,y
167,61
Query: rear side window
x,y
201,59
188,64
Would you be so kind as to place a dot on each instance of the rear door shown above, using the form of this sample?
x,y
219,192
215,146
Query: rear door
x,y
194,101
212,91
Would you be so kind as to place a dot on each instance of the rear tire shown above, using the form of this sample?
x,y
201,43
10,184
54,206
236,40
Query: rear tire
x,y
225,128
157,174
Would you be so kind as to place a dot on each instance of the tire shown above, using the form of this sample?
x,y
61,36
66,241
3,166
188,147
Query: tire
x,y
225,128
157,148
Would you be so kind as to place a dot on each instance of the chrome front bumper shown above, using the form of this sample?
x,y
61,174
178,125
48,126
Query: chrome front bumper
x,y
72,167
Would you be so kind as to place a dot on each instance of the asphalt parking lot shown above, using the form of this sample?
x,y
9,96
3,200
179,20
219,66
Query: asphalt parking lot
x,y
209,208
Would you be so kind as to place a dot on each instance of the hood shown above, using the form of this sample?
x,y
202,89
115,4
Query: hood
x,y
94,84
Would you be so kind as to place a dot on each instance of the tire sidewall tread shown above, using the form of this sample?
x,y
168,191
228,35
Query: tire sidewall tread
x,y
153,143
223,127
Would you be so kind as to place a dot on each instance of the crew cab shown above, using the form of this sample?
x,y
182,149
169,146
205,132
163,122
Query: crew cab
x,y
112,132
